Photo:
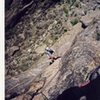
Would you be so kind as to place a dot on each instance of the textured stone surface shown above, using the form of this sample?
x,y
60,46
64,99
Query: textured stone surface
x,y
28,71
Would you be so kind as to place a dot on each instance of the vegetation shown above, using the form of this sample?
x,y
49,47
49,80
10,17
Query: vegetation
x,y
24,67
55,37
68,7
71,2
66,11
74,21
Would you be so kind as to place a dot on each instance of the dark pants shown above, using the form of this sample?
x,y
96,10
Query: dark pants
x,y
91,91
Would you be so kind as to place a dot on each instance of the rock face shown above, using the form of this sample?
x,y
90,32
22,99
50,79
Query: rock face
x,y
71,70
76,64
48,23
80,61
88,19
31,30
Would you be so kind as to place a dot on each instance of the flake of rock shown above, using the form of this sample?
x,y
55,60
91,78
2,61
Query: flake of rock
x,y
13,50
22,36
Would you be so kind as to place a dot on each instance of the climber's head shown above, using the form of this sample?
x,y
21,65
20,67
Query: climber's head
x,y
47,48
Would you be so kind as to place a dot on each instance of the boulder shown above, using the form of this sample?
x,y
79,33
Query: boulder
x,y
90,17
86,20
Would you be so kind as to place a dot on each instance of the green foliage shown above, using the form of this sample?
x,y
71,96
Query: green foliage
x,y
71,2
24,67
74,21
55,37
66,11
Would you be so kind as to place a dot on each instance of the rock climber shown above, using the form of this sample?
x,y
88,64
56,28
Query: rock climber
x,y
93,75
50,54
91,90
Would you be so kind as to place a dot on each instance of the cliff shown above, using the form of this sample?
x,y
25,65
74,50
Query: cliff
x,y
72,29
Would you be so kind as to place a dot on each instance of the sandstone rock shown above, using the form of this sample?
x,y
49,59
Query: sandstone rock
x,y
86,20
69,25
78,49
90,17
55,22
22,36
41,49
27,97
36,86
39,97
22,97
80,67
79,12
67,39
13,50
29,50
50,41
